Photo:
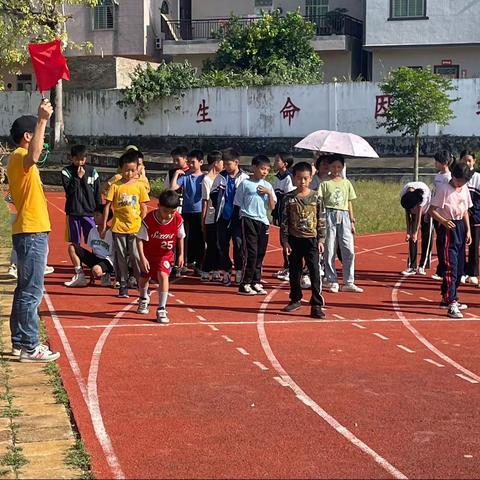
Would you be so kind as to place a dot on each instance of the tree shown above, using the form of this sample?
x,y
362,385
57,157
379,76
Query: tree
x,y
272,46
418,97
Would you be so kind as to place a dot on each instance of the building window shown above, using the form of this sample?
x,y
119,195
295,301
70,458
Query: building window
x,y
408,9
24,83
103,15
450,71
263,6
316,8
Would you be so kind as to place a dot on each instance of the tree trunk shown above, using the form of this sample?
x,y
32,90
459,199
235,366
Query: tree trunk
x,y
415,160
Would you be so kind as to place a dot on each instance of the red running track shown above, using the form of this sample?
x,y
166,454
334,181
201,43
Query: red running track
x,y
385,387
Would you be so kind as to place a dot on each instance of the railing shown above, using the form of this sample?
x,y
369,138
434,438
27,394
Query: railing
x,y
333,23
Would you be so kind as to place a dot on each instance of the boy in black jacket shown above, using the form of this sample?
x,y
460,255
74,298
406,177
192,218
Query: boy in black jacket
x,y
83,197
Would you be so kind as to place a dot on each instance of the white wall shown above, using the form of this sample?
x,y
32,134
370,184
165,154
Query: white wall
x,y
245,112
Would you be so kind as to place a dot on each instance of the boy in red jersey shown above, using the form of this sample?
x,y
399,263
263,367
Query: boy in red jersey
x,y
160,234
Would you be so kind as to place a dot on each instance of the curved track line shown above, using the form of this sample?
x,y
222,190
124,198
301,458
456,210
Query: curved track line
x,y
92,406
309,402
422,339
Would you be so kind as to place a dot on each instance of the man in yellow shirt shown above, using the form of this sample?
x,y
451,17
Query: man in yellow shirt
x,y
29,234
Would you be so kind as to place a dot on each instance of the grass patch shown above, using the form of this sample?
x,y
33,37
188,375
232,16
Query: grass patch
x,y
157,186
5,228
78,458
377,208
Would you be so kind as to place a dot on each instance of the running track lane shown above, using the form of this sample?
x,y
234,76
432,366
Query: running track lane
x,y
197,408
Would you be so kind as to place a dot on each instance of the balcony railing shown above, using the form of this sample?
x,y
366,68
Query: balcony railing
x,y
208,29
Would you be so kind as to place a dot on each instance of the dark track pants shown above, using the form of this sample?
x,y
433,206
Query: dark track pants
x,y
452,243
229,230
440,253
254,241
471,267
194,241
426,232
211,260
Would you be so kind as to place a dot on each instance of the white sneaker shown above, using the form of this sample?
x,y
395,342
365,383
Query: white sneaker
x,y
41,353
454,311
238,277
473,280
258,287
48,270
282,274
204,277
143,306
409,271
246,290
16,351
162,316
105,282
460,306
305,282
78,280
334,288
12,271
351,287
216,277
436,277
421,271
463,279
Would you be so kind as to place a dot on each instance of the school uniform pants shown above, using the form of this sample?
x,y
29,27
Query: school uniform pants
x,y
339,230
426,233
126,255
438,245
230,230
304,249
194,242
471,267
211,260
254,242
452,243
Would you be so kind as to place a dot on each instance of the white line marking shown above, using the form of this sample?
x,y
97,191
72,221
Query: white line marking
x,y
202,319
358,325
406,349
405,292
228,339
433,362
260,365
465,377
170,294
306,400
191,310
468,456
392,256
213,327
179,301
89,397
422,339
282,382
242,351
63,261
425,299
338,316
472,315
378,253
379,335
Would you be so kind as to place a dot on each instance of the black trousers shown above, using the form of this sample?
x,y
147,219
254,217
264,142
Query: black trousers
x,y
194,241
440,250
254,241
229,230
471,267
426,232
304,249
211,260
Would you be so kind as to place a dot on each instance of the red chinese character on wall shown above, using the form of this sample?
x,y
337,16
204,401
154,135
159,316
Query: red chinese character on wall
x,y
382,102
289,110
202,113
478,106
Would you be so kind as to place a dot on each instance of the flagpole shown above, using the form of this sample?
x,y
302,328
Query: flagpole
x,y
59,126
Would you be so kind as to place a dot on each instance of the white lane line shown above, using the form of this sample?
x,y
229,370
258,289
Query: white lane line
x,y
202,319
465,377
228,339
391,256
191,310
433,362
213,327
242,351
422,339
405,292
260,365
378,253
93,409
367,250
358,325
405,349
309,402
170,294
468,456
379,335
425,299
338,316
471,315
179,301
280,380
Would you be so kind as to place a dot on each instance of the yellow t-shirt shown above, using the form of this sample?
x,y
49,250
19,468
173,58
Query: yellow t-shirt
x,y
126,199
27,195
118,176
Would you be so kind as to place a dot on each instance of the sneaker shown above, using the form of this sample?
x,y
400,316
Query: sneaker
x,y
409,271
454,311
226,279
106,280
116,285
334,287
162,316
421,271
246,290
463,279
258,287
123,292
182,271
305,282
204,277
143,306
473,280
238,277
317,312
351,287
132,282
436,277
282,274
292,306
216,277
16,351
78,280
460,306
41,353
12,271
49,270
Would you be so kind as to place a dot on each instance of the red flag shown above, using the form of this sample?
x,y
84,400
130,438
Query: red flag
x,y
49,64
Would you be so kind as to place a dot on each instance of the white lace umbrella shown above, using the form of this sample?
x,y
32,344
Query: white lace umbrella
x,y
344,143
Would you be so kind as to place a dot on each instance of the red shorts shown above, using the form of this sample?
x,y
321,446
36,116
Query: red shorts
x,y
160,265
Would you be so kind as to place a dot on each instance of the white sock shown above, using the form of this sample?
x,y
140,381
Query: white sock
x,y
143,292
163,299
78,270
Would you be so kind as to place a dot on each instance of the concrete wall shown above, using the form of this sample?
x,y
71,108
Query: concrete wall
x,y
449,22
243,112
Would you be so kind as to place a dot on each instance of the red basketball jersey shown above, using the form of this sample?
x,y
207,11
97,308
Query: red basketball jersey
x,y
162,237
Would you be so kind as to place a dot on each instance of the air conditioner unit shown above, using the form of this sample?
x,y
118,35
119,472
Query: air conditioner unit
x,y
158,43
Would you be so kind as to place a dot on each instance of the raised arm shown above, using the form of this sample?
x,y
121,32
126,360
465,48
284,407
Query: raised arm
x,y
35,148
